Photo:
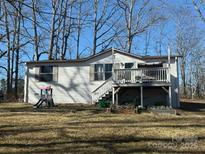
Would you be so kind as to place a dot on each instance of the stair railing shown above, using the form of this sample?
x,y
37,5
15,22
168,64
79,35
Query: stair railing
x,y
102,89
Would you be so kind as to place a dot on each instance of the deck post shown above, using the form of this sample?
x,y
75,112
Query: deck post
x,y
117,98
141,96
113,95
170,96
26,85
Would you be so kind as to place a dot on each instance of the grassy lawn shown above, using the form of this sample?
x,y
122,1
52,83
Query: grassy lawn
x,y
86,129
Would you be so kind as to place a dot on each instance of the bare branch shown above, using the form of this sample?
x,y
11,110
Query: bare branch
x,y
198,10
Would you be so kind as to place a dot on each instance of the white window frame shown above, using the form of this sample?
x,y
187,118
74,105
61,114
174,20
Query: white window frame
x,y
103,72
54,73
48,73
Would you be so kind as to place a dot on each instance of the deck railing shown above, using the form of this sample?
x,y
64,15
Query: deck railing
x,y
141,75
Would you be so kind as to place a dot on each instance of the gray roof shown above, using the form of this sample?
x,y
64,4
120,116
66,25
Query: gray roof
x,y
99,54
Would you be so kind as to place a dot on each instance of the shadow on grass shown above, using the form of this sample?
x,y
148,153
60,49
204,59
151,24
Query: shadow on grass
x,y
66,108
76,145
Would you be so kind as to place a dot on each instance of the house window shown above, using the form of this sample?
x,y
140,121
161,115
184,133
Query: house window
x,y
129,65
108,71
102,71
46,73
99,73
150,65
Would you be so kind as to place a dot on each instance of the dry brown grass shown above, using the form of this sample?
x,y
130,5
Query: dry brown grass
x,y
85,129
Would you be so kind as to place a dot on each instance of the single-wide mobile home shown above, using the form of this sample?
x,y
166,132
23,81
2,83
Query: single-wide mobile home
x,y
112,74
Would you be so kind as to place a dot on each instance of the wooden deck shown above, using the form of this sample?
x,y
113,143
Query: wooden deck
x,y
142,75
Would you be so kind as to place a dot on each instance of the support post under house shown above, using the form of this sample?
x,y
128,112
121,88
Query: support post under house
x,y
113,95
170,96
141,96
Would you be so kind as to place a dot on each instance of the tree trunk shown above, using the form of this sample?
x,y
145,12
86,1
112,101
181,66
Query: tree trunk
x,y
129,44
35,30
13,49
12,65
129,26
79,29
17,53
52,34
62,56
67,32
8,49
65,48
50,56
95,27
60,19
183,74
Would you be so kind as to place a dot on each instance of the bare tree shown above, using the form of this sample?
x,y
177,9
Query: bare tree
x,y
199,74
17,50
12,23
68,25
102,28
199,7
13,45
59,27
65,29
160,39
196,74
34,8
79,28
147,41
8,48
187,39
55,5
138,17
